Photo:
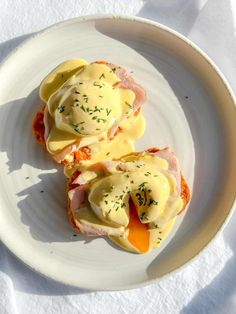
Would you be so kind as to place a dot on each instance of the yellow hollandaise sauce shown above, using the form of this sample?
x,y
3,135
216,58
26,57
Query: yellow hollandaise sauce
x,y
85,105
139,195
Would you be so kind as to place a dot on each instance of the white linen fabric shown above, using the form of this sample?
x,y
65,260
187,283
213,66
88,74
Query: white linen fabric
x,y
207,284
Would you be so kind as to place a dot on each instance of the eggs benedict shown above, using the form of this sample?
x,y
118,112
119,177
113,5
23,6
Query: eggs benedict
x,y
90,112
133,200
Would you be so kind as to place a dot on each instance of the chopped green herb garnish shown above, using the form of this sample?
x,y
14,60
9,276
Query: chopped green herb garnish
x,y
100,96
109,211
140,199
61,109
113,70
82,107
77,130
97,84
101,120
108,153
128,104
152,202
102,76
142,216
108,111
76,92
141,185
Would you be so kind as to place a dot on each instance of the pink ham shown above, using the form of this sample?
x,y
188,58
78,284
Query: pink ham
x,y
76,197
127,82
89,230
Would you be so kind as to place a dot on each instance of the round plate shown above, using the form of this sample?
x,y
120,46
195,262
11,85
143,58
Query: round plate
x,y
190,108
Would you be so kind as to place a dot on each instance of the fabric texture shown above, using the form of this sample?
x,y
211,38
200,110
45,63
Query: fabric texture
x,y
207,284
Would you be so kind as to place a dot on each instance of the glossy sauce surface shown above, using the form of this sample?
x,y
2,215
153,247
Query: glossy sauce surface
x,y
84,105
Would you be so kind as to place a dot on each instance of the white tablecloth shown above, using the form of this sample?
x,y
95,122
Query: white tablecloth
x,y
208,284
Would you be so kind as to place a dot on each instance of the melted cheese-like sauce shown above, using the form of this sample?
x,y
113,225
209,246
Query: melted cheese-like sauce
x,y
145,180
58,76
121,145
84,106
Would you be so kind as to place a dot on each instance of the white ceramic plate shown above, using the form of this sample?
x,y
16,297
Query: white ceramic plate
x,y
189,108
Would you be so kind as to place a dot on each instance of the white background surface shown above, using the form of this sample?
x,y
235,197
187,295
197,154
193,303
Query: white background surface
x,y
208,284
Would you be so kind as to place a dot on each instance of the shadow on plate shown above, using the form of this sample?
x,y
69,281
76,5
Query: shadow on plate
x,y
17,115
184,12
50,224
10,264
205,127
216,297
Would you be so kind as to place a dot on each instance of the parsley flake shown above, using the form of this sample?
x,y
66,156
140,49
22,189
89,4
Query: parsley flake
x,y
102,76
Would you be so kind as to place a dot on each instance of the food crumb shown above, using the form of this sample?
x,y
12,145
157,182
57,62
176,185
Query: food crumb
x,y
42,191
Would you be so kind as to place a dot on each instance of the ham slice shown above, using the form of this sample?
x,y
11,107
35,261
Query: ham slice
x,y
77,197
127,82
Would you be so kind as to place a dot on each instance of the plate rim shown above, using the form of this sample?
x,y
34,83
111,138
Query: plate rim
x,y
40,270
